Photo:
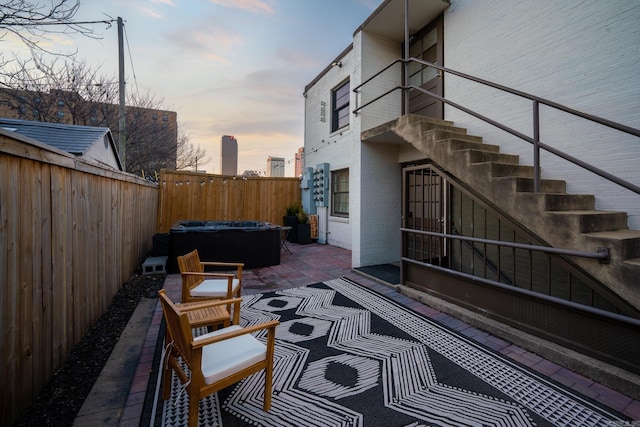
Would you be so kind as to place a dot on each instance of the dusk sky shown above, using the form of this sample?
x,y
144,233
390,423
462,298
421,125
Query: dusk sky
x,y
227,67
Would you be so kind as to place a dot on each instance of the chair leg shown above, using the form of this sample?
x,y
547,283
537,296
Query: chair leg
x,y
268,386
166,382
193,410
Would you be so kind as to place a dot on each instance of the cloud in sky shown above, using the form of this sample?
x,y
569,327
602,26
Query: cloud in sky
x,y
255,6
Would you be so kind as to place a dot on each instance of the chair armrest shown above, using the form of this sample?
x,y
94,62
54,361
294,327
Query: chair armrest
x,y
199,305
222,264
206,274
236,333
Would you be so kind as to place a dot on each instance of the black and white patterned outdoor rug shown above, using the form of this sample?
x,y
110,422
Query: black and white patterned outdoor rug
x,y
347,356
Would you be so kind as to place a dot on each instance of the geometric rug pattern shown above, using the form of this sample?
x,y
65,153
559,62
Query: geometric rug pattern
x,y
348,356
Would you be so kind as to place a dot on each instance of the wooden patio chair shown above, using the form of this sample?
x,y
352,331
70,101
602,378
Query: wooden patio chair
x,y
198,284
215,360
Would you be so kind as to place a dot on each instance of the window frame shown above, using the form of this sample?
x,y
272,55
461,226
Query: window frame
x,y
337,197
340,104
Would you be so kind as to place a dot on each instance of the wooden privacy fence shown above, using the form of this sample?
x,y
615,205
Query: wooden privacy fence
x,y
71,233
197,196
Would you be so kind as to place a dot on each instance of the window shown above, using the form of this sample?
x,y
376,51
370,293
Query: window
x,y
340,193
340,107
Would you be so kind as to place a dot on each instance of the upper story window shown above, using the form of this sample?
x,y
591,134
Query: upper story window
x,y
340,107
340,193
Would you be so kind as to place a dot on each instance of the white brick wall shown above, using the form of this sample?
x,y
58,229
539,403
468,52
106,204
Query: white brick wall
x,y
323,146
584,54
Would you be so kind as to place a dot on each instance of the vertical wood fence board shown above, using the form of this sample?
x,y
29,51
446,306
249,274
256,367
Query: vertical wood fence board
x,y
40,330
10,315
46,272
26,279
61,267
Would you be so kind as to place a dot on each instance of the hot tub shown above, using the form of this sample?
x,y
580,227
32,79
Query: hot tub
x,y
256,244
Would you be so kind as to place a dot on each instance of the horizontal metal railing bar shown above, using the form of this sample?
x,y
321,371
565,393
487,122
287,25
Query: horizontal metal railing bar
x,y
557,251
525,292
355,111
600,120
357,88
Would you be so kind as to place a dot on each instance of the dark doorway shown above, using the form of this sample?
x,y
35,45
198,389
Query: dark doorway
x,y
427,44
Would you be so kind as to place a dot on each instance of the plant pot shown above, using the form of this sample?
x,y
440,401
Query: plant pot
x,y
304,234
291,221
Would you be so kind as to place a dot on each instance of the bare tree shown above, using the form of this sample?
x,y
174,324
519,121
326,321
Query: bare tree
x,y
188,155
57,90
65,90
33,22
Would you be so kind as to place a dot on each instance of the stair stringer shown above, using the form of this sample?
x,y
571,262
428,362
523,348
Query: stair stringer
x,y
562,220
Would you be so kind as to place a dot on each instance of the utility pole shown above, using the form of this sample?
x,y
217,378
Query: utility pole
x,y
122,118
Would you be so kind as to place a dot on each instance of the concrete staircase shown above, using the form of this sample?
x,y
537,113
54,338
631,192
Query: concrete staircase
x,y
568,221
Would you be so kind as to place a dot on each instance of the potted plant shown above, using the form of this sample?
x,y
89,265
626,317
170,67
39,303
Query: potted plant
x,y
304,228
291,220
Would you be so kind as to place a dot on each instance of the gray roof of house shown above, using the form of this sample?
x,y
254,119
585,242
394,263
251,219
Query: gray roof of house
x,y
73,139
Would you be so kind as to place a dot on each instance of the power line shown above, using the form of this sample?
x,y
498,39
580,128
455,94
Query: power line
x,y
135,79
44,23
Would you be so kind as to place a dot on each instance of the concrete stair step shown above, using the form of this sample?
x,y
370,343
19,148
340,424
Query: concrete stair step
x,y
426,126
413,118
625,243
589,221
481,156
496,170
457,144
526,185
440,134
557,201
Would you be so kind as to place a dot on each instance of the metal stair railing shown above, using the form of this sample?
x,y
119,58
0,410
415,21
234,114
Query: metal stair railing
x,y
536,101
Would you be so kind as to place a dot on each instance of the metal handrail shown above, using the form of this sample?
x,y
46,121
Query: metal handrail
x,y
602,254
535,140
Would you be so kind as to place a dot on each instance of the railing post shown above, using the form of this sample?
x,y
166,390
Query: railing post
x,y
536,146
406,57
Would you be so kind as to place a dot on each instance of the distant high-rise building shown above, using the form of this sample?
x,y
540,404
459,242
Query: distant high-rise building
x,y
275,166
228,155
299,162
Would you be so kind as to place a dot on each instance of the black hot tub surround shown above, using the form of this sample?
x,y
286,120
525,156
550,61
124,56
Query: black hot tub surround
x,y
256,244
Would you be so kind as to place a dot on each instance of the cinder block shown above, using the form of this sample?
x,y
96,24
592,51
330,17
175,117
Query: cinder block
x,y
154,265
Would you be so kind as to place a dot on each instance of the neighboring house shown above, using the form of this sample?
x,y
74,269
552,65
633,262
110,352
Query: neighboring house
x,y
375,173
87,142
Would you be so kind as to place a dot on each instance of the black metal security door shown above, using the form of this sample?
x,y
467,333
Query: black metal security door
x,y
424,209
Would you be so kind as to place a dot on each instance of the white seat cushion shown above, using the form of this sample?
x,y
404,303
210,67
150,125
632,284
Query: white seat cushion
x,y
224,358
215,288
